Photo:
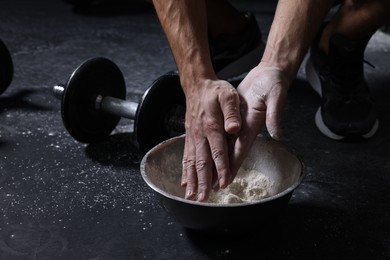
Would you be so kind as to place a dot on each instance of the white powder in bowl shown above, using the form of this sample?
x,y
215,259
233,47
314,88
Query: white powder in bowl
x,y
248,186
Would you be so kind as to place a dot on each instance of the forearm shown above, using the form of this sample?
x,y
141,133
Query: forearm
x,y
293,29
185,26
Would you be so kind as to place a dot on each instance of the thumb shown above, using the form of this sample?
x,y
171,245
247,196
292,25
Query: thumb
x,y
230,105
274,116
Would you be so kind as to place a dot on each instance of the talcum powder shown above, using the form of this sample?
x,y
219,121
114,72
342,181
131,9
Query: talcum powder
x,y
248,186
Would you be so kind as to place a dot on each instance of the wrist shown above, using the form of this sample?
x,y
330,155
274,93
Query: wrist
x,y
287,62
194,77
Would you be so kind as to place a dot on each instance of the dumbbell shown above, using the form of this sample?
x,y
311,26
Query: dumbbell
x,y
6,67
93,101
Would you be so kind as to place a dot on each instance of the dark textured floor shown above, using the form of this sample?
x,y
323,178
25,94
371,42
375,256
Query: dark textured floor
x,y
64,200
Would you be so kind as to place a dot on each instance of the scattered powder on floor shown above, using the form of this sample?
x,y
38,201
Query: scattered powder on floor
x,y
248,186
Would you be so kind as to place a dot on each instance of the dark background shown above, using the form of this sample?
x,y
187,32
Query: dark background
x,y
64,200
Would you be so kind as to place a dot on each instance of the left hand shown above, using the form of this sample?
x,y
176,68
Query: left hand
x,y
263,93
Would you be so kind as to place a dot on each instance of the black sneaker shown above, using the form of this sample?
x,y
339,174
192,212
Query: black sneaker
x,y
235,54
347,110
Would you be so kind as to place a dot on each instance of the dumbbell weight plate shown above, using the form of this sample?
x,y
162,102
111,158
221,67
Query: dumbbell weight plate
x,y
6,67
94,77
164,96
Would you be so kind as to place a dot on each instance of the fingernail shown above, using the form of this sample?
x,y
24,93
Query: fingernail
x,y
189,193
222,183
275,135
232,127
201,196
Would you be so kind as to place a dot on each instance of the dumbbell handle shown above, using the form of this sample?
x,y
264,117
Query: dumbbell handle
x,y
110,105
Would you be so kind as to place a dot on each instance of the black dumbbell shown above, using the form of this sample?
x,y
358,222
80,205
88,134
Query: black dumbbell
x,y
93,101
6,67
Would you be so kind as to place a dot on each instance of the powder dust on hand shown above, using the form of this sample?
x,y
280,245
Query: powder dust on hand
x,y
248,186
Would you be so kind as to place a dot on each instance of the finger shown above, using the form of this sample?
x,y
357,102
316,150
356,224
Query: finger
x,y
231,140
204,167
190,171
220,154
230,105
250,128
183,182
274,115
215,181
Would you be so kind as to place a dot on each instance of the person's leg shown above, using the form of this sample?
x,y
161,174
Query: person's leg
x,y
235,39
223,18
356,19
336,70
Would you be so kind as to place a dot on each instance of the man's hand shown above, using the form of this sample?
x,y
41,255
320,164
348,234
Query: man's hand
x,y
263,93
212,114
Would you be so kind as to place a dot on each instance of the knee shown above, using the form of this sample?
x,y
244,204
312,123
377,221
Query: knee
x,y
376,10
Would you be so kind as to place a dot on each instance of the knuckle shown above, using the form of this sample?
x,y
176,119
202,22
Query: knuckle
x,y
200,165
217,154
232,116
189,164
202,185
211,125
184,161
191,183
231,98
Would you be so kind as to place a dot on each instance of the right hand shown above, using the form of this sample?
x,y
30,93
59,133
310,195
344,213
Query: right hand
x,y
212,114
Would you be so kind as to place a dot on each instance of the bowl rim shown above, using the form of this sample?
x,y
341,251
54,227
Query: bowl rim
x,y
283,193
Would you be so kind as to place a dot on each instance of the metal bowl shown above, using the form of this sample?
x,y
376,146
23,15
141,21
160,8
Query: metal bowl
x,y
161,169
